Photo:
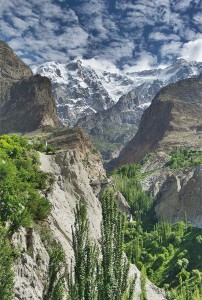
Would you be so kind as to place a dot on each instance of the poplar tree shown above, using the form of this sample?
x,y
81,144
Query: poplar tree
x,y
55,289
115,267
105,279
82,277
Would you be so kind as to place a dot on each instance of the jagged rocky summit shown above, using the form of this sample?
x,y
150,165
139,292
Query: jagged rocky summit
x,y
77,89
26,100
106,104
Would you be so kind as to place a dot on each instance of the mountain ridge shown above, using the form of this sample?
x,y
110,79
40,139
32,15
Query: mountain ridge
x,y
99,92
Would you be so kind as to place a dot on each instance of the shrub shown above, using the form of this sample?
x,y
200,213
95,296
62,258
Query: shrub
x,y
20,180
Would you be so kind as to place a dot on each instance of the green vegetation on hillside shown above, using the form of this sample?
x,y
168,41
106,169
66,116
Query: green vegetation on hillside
x,y
171,254
185,157
127,180
20,181
22,184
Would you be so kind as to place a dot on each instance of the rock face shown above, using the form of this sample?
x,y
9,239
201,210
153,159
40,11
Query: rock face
x,y
25,98
153,292
181,196
172,120
31,269
178,192
11,66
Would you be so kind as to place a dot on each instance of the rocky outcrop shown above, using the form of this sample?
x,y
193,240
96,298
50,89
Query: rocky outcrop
x,y
31,268
26,101
11,67
172,120
152,292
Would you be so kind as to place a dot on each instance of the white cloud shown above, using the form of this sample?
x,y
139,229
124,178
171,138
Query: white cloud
x,y
198,18
192,50
101,64
171,49
147,61
74,37
183,4
118,50
55,30
160,36
20,24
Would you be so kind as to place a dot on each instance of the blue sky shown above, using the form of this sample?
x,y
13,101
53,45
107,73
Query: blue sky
x,y
128,34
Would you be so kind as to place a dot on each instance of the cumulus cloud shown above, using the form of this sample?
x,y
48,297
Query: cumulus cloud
x,y
171,50
182,5
192,50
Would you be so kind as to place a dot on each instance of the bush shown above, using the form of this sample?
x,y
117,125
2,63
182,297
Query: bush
x,y
20,180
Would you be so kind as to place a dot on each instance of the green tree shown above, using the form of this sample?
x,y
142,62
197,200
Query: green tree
x,y
115,267
93,279
143,279
82,279
55,290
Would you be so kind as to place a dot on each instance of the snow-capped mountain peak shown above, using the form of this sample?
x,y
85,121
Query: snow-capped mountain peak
x,y
81,87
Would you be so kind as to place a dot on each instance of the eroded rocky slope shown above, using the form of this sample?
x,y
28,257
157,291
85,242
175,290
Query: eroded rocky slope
x,y
78,176
178,192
